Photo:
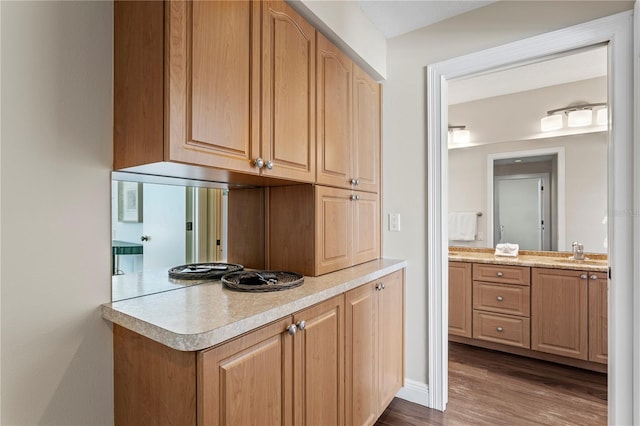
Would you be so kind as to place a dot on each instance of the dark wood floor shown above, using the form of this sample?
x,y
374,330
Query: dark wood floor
x,y
493,388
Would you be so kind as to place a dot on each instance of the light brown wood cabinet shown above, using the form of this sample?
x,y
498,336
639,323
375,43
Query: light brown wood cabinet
x,y
559,312
375,331
215,84
315,230
348,108
460,311
598,317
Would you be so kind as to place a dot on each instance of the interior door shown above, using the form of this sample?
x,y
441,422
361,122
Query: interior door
x,y
164,218
522,210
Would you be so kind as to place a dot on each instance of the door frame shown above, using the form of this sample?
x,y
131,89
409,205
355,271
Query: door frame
x,y
561,188
617,31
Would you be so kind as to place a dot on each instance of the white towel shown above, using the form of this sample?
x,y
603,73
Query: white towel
x,y
463,226
507,249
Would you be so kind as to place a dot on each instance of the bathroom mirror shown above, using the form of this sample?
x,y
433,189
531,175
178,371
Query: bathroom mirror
x,y
540,189
159,223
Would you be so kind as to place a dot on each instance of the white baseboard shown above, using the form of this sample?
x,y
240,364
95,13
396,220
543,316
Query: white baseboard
x,y
415,392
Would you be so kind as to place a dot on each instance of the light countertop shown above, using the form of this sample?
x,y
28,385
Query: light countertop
x,y
556,260
200,316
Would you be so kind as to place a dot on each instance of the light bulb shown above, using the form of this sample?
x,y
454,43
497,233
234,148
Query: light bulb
x,y
551,123
579,118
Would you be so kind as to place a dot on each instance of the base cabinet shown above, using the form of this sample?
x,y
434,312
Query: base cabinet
x,y
335,363
460,299
598,318
374,361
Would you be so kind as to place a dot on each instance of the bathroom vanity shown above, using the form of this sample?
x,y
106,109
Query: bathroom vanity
x,y
545,305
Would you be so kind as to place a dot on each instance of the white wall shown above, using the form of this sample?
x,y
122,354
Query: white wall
x,y
404,126
586,184
55,165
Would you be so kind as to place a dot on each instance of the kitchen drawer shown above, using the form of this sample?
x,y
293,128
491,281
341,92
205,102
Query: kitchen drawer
x,y
519,275
501,298
505,329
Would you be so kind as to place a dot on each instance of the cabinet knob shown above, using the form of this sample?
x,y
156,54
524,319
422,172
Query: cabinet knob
x,y
301,325
499,329
383,286
258,162
499,298
357,182
499,274
353,181
354,197
269,164
292,329
593,277
583,276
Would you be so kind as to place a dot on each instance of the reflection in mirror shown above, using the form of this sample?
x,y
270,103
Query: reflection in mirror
x,y
510,160
159,223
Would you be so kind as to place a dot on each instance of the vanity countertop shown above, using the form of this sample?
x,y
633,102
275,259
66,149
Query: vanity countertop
x,y
538,259
200,316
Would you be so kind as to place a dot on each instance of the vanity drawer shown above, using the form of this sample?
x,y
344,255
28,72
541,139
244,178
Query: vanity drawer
x,y
504,329
520,275
501,298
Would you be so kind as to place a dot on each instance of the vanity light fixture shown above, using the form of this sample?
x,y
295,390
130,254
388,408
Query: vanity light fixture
x,y
459,135
578,115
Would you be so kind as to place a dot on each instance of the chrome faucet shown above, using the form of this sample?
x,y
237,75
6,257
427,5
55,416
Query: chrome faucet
x,y
578,250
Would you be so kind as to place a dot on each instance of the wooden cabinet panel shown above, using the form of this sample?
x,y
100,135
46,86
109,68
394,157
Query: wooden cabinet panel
x,y
375,347
366,228
460,299
598,318
559,312
505,329
361,356
366,134
213,81
256,367
288,93
501,298
319,363
391,324
501,274
334,128
333,229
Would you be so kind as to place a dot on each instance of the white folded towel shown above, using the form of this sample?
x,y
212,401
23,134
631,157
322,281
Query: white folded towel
x,y
507,249
463,226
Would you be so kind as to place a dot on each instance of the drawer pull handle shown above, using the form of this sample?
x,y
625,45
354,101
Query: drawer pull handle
x,y
499,329
499,274
499,298
583,276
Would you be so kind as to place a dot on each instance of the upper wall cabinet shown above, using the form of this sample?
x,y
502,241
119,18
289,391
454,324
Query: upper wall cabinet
x,y
219,84
348,103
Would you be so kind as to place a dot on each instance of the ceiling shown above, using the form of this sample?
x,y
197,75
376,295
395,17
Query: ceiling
x,y
397,17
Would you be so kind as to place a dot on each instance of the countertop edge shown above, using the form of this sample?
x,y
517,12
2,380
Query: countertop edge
x,y
530,263
217,335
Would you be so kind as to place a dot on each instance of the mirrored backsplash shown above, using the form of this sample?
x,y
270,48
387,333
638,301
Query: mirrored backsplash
x,y
160,223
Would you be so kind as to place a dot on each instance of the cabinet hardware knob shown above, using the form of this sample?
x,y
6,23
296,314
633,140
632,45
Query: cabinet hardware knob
x,y
499,274
353,181
292,329
145,238
357,182
383,286
354,197
499,298
269,164
258,162
377,287
499,329
301,325
593,277
583,276
357,197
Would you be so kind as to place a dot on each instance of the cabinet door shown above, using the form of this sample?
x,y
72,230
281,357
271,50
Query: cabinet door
x,y
334,115
362,356
319,364
249,380
460,299
213,83
366,228
391,332
333,229
598,318
366,135
559,312
288,93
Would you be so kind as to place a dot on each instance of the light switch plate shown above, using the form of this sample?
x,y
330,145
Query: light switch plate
x,y
394,222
